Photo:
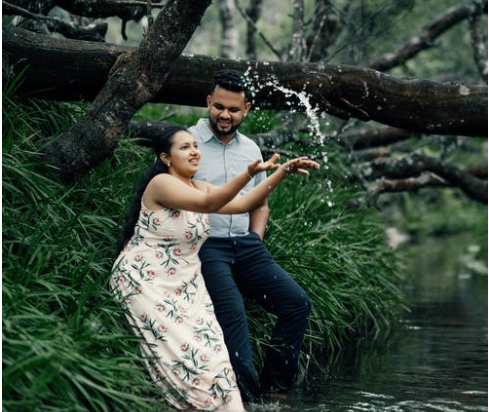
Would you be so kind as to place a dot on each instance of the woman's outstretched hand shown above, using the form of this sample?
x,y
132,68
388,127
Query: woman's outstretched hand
x,y
297,165
258,166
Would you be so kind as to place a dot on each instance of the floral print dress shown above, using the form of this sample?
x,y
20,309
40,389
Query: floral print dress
x,y
158,279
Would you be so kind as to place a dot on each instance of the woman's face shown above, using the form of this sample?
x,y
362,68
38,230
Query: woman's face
x,y
184,155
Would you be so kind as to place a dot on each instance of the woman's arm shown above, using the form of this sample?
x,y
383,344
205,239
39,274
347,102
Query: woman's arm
x,y
166,190
255,197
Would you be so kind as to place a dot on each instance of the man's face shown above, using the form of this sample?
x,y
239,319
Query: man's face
x,y
226,111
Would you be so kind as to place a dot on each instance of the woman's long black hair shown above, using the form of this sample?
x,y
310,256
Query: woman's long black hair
x,y
161,144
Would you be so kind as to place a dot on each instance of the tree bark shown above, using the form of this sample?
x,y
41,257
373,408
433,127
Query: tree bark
x,y
134,79
63,69
416,164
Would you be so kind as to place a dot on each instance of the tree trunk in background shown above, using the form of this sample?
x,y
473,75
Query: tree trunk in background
x,y
253,11
297,46
326,27
230,34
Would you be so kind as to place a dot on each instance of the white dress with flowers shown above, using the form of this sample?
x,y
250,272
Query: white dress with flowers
x,y
158,278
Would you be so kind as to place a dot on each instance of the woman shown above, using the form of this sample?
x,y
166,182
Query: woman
x,y
157,272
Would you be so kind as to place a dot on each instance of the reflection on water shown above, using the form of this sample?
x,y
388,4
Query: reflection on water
x,y
437,361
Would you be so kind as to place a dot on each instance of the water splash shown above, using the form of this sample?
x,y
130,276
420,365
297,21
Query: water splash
x,y
314,114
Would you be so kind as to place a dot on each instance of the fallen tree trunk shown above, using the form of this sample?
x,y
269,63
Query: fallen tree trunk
x,y
67,70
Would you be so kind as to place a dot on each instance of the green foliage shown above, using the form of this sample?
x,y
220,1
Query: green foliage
x,y
185,116
260,121
367,29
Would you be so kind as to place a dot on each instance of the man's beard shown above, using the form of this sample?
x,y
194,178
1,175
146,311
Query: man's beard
x,y
219,132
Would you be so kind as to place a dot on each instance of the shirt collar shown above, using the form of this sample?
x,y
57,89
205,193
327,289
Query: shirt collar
x,y
206,132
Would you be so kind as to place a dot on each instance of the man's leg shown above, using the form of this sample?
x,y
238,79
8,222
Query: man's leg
x,y
218,257
260,278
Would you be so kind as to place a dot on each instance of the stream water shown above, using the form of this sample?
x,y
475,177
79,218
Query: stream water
x,y
437,359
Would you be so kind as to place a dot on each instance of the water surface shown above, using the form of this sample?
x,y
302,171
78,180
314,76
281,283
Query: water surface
x,y
437,360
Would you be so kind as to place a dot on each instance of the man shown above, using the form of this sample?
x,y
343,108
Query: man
x,y
235,262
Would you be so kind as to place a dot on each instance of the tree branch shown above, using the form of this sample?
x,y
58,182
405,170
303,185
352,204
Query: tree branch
x,y
14,10
326,28
427,36
230,33
417,164
426,179
253,13
297,47
373,137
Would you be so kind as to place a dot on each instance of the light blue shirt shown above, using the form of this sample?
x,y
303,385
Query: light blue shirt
x,y
219,164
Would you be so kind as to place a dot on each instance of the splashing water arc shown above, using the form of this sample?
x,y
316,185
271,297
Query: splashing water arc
x,y
312,112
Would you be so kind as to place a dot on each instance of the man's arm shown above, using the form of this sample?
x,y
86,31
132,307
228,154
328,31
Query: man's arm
x,y
259,219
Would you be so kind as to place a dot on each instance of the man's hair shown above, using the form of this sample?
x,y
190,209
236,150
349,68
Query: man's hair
x,y
232,80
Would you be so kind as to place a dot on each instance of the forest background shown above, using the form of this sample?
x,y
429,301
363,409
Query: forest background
x,y
339,232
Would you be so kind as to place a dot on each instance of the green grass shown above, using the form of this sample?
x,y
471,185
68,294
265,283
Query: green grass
x,y
65,344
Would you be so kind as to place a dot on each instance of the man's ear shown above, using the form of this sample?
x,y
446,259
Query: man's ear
x,y
208,101
247,108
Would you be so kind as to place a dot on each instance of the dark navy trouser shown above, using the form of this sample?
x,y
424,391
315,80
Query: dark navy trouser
x,y
243,265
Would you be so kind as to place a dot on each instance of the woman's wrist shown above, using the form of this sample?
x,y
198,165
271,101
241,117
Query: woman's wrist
x,y
249,174
286,168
